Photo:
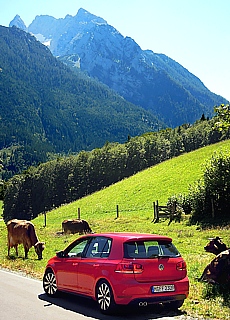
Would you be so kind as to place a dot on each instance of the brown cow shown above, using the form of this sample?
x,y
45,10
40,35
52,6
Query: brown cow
x,y
218,270
76,226
215,246
23,232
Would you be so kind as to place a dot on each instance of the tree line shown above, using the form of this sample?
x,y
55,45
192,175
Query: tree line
x,y
65,179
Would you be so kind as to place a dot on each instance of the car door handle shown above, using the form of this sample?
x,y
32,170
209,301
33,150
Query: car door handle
x,y
96,265
75,263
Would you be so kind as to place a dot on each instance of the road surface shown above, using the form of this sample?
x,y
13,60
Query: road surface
x,y
23,298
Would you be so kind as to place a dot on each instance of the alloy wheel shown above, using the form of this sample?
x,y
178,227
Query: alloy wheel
x,y
105,297
49,283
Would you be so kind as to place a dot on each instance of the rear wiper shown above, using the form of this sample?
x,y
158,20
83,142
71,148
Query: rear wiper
x,y
168,256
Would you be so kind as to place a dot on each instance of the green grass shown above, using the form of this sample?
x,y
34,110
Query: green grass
x,y
135,196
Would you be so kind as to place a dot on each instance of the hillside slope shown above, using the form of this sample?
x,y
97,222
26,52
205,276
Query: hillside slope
x,y
134,197
138,192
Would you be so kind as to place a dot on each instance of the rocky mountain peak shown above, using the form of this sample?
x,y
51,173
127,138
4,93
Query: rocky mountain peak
x,y
84,16
18,22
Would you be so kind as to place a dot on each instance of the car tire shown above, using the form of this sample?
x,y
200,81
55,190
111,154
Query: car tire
x,y
104,296
49,283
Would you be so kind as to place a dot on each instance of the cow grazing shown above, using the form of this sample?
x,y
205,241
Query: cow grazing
x,y
215,246
23,232
218,270
76,226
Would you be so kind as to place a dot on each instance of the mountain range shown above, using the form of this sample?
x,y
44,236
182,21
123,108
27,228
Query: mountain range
x,y
47,108
144,78
76,83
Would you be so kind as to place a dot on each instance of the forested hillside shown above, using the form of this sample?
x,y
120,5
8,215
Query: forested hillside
x,y
67,179
45,108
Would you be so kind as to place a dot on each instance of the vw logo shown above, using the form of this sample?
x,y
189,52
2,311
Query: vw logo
x,y
161,267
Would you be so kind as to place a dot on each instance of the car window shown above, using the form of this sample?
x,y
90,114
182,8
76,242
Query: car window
x,y
77,249
149,249
99,247
135,249
168,249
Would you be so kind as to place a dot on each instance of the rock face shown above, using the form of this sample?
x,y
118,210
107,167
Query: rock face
x,y
153,81
18,22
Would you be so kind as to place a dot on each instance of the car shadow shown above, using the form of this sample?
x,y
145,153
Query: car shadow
x,y
89,308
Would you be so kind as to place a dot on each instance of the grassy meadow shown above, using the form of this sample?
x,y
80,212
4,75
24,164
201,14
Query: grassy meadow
x,y
135,197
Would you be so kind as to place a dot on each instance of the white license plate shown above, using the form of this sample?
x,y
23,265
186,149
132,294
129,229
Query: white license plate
x,y
164,288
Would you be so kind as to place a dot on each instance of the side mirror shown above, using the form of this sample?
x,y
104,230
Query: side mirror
x,y
60,254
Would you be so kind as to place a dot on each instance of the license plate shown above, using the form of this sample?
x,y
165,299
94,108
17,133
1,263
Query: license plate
x,y
164,288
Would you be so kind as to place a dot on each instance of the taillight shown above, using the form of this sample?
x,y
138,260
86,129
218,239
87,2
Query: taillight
x,y
181,266
129,267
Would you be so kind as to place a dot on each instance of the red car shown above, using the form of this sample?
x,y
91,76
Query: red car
x,y
120,269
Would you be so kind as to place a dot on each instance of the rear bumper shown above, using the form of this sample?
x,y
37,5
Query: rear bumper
x,y
136,292
144,302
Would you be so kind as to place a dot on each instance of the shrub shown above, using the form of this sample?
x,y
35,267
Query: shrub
x,y
182,201
210,196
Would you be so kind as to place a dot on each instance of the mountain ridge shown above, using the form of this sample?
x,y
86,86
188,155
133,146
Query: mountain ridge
x,y
153,81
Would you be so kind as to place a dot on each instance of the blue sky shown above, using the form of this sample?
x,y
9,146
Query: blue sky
x,y
195,33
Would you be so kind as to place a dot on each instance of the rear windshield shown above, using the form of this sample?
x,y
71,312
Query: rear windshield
x,y
149,249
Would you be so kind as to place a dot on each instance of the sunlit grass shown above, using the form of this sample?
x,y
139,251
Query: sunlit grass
x,y
134,197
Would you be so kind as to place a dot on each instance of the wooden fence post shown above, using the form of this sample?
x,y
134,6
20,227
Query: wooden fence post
x,y
117,212
156,212
174,207
79,213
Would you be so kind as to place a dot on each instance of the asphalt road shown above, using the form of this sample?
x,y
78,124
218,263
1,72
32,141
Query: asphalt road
x,y
23,298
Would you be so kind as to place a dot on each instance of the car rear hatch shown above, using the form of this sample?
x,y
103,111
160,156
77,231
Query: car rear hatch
x,y
154,261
